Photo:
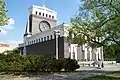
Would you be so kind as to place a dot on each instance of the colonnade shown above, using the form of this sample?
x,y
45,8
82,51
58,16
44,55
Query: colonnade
x,y
85,53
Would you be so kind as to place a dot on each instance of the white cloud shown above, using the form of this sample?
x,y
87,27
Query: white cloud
x,y
3,32
8,27
14,43
11,21
4,29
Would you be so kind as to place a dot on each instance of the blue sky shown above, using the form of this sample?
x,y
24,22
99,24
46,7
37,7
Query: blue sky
x,y
18,11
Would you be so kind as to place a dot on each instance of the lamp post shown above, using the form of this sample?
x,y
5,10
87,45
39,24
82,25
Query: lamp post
x,y
57,33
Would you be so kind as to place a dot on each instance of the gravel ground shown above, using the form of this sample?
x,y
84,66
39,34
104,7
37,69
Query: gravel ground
x,y
56,76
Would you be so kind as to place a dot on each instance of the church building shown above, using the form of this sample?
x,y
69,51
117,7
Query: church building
x,y
44,37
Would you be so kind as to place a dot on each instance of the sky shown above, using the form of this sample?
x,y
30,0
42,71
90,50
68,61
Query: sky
x,y
18,13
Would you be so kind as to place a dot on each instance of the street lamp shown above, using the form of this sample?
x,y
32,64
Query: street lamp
x,y
56,33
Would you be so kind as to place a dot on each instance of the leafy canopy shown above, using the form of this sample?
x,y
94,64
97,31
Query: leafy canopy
x,y
97,22
3,14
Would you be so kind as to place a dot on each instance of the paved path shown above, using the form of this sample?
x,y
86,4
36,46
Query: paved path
x,y
107,67
61,76
84,72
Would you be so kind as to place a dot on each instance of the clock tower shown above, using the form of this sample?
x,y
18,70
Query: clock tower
x,y
40,19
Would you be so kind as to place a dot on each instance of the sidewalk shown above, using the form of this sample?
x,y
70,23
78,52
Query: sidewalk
x,y
107,67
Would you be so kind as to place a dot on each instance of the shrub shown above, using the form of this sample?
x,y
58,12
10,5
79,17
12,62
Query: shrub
x,y
70,65
17,63
60,64
50,64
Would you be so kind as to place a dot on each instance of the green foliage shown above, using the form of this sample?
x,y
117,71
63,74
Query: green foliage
x,y
110,52
3,14
70,65
16,50
118,56
97,23
12,62
17,63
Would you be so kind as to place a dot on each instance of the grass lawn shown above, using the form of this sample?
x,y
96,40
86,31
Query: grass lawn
x,y
108,76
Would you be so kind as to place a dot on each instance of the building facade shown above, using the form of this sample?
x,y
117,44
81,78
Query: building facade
x,y
5,47
44,37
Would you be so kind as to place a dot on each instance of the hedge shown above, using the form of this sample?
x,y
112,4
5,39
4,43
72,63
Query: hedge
x,y
31,63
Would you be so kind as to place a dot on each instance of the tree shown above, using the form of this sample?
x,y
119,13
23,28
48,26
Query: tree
x,y
3,13
110,52
98,22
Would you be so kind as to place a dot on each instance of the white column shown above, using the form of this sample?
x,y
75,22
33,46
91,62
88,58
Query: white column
x,y
85,54
75,50
90,52
102,56
96,53
56,33
99,49
57,47
71,50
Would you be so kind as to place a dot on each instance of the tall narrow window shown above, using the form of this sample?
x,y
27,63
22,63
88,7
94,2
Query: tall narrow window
x,y
41,39
40,13
49,16
43,14
44,38
36,12
52,17
34,41
46,15
47,37
51,37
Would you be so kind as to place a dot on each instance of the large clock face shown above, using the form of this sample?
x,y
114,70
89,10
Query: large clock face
x,y
44,25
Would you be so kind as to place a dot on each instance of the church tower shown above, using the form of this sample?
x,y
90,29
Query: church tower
x,y
39,20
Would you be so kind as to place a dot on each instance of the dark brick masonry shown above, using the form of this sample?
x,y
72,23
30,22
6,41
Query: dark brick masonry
x,y
46,48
